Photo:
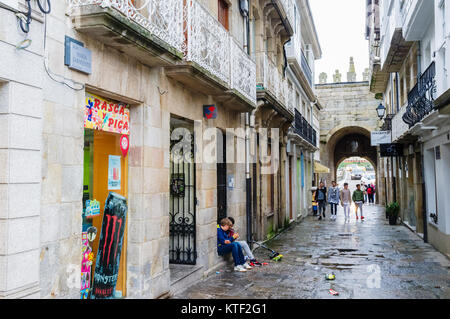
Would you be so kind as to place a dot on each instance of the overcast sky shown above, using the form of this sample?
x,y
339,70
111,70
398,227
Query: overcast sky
x,y
340,26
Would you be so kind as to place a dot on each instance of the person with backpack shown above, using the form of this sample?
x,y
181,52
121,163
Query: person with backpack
x,y
321,199
333,199
358,199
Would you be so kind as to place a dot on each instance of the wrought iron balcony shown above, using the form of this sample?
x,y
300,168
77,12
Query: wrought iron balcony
x,y
304,129
207,41
421,97
153,32
243,72
168,32
215,62
306,69
271,80
288,7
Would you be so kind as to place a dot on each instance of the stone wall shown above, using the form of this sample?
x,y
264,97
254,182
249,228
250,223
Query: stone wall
x,y
21,117
347,108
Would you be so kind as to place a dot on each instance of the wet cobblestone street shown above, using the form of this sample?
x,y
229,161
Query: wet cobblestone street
x,y
370,259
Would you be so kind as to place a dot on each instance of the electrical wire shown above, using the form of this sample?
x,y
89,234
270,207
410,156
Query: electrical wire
x,y
63,80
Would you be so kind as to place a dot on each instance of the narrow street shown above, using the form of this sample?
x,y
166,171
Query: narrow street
x,y
370,260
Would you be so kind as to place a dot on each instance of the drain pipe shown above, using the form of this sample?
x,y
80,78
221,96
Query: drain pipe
x,y
248,180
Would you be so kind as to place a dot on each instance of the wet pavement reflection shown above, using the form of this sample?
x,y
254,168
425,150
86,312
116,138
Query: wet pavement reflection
x,y
370,259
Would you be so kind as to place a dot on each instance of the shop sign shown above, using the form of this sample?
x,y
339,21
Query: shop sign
x,y
114,172
210,112
92,208
124,145
380,137
108,116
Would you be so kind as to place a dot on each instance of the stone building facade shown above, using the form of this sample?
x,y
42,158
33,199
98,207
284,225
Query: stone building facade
x,y
408,74
192,68
346,121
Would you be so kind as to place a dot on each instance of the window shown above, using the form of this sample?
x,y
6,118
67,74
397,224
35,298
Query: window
x,y
223,13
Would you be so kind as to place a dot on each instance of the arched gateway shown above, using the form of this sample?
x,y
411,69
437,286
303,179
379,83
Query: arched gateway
x,y
346,121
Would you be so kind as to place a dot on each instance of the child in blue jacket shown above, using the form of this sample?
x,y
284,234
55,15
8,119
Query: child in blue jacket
x,y
227,244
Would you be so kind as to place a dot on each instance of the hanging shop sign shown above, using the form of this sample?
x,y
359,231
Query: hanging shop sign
x,y
110,247
210,112
391,150
380,137
124,145
108,116
92,208
114,172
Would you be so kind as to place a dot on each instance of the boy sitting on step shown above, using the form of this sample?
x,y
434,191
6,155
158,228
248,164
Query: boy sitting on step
x,y
227,244
247,251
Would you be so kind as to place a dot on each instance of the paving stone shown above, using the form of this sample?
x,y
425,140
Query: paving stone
x,y
370,259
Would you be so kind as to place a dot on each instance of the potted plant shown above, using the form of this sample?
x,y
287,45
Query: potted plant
x,y
393,210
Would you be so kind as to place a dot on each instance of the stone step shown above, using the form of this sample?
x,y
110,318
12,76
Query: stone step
x,y
183,276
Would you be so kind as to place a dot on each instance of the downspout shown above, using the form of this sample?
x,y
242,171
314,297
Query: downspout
x,y
424,192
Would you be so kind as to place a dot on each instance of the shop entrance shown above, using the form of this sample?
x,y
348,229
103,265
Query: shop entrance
x,y
182,206
105,178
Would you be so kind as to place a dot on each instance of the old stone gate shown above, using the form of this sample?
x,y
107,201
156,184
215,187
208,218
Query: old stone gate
x,y
348,116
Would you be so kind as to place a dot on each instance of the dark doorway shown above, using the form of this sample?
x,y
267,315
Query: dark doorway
x,y
221,176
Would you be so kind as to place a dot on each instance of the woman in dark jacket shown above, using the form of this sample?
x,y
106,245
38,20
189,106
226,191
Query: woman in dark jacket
x,y
321,199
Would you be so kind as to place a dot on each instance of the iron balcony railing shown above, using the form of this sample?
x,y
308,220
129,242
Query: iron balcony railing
x,y
421,97
306,69
304,129
163,19
269,78
189,28
212,47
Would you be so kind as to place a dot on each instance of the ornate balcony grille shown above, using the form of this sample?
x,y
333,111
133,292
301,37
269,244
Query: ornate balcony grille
x,y
421,97
243,72
207,42
188,27
163,19
289,9
271,80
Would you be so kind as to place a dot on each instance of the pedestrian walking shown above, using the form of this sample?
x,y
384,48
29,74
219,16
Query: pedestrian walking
x,y
346,201
321,199
333,199
364,189
370,193
358,198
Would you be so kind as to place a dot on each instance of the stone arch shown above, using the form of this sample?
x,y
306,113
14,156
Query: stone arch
x,y
344,142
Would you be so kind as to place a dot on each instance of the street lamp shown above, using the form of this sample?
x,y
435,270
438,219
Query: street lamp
x,y
381,110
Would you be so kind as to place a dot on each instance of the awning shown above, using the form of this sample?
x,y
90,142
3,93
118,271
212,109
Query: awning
x,y
320,169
